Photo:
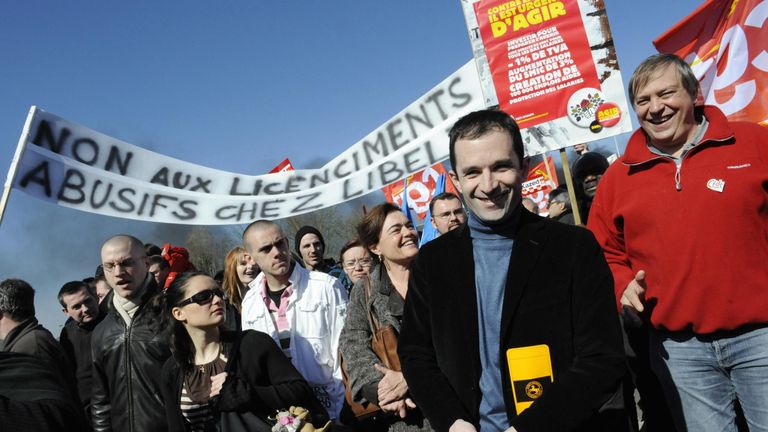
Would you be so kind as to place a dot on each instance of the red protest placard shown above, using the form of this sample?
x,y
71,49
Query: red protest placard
x,y
539,184
539,56
726,44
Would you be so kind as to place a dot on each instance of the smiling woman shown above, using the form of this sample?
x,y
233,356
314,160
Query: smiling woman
x,y
388,234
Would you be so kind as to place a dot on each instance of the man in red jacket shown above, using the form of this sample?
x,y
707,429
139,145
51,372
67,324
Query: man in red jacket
x,y
683,221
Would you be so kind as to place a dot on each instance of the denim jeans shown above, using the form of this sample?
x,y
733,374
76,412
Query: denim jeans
x,y
702,375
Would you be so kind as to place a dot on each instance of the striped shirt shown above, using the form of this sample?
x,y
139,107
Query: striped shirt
x,y
195,395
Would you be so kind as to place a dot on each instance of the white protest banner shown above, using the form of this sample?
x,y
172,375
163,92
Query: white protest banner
x,y
99,174
554,68
66,182
422,121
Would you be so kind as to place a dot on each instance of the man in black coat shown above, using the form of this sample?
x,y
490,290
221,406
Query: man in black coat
x,y
489,287
21,333
129,347
81,306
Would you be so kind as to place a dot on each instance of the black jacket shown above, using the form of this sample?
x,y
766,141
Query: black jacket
x,y
260,379
559,293
30,337
126,368
33,397
76,342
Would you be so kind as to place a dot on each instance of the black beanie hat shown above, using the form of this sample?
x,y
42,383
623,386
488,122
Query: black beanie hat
x,y
306,229
590,163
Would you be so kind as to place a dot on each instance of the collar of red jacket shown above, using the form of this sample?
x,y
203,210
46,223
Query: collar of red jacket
x,y
718,130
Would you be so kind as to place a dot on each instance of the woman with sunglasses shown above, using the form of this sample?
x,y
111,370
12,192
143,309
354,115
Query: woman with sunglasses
x,y
221,380
388,234
239,271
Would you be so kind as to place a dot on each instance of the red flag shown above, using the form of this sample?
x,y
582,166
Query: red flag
x,y
421,187
285,165
726,44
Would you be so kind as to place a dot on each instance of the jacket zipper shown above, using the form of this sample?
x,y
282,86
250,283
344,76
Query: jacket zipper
x,y
128,373
678,163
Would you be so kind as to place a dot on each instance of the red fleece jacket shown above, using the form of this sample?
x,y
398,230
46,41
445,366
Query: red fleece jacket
x,y
700,232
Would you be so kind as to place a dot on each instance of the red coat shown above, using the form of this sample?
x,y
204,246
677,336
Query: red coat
x,y
701,238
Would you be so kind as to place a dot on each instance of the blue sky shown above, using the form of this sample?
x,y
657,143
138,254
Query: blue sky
x,y
236,85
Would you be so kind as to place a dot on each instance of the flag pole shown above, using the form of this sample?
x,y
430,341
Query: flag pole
x,y
571,190
15,162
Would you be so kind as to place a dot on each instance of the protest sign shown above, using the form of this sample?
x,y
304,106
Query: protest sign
x,y
726,44
541,180
554,69
64,162
420,190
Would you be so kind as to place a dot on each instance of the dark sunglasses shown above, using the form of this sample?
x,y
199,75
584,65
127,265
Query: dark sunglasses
x,y
203,297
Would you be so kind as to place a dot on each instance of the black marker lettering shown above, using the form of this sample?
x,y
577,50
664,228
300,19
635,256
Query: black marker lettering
x,y
77,151
76,187
121,196
114,159
306,199
45,135
39,175
347,194
271,206
96,184
161,177
201,185
187,207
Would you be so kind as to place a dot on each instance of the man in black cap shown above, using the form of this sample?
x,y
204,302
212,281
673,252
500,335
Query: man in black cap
x,y
587,172
310,247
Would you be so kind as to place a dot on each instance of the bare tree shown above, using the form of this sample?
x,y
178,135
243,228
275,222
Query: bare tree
x,y
208,247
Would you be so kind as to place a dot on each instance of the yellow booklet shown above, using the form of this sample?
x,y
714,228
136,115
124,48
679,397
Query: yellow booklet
x,y
530,370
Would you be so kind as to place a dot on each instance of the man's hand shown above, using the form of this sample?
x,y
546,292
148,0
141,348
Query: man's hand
x,y
462,426
392,386
633,298
216,382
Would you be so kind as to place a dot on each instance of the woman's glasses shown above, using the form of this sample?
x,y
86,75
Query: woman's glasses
x,y
203,297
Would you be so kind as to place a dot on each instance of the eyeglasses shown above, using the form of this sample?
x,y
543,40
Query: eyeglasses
x,y
364,262
203,297
446,215
126,264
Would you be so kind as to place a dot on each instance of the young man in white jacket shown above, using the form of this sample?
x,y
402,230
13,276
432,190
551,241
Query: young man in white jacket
x,y
302,310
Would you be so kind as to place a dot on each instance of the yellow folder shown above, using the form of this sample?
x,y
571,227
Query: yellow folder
x,y
530,371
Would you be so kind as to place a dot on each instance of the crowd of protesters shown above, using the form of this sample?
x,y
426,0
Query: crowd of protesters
x,y
508,321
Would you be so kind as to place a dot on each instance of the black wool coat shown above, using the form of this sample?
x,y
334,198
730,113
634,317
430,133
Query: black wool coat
x,y
559,292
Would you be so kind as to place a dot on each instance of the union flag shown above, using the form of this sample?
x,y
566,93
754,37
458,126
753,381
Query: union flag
x,y
726,44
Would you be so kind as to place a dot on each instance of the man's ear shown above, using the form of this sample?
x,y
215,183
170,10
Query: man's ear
x,y
432,220
455,179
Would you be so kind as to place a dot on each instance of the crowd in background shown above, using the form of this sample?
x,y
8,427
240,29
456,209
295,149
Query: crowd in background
x,y
388,336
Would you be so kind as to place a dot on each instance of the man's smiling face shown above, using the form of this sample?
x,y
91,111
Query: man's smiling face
x,y
489,175
665,110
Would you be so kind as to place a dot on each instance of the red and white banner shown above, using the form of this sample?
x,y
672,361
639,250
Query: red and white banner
x,y
539,184
553,67
726,44
421,188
